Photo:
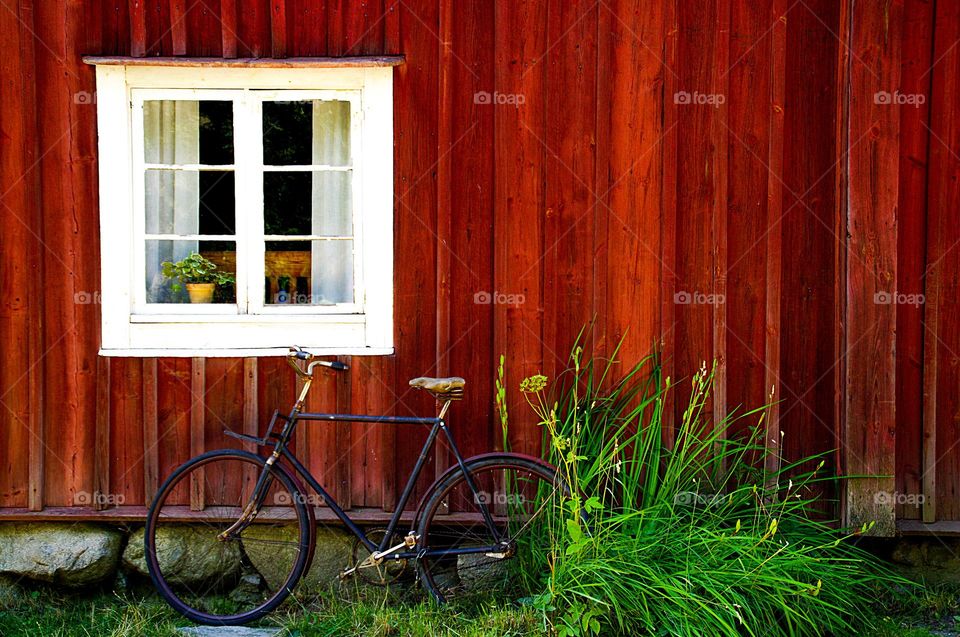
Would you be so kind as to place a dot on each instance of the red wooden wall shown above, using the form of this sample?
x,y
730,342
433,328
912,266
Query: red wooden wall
x,y
791,193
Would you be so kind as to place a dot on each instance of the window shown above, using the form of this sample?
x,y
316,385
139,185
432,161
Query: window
x,y
281,178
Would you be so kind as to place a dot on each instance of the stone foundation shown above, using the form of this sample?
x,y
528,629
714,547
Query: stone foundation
x,y
77,555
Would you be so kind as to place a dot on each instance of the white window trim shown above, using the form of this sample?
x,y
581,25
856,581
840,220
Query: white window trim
x,y
365,327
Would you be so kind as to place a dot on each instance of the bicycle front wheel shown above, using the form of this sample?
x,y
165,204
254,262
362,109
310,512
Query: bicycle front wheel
x,y
462,556
214,575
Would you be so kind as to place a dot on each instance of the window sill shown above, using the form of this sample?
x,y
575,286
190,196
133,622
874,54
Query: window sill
x,y
267,318
373,61
166,352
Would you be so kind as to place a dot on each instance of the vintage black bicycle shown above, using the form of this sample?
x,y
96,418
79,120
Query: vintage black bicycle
x,y
231,532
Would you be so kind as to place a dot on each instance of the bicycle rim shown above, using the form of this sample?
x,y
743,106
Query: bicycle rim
x,y
225,579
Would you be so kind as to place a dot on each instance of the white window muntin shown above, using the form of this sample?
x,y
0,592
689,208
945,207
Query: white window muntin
x,y
248,169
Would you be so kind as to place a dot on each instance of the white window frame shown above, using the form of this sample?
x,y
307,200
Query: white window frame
x,y
131,327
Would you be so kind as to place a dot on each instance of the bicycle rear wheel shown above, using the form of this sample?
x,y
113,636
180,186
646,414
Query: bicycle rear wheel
x,y
234,578
522,495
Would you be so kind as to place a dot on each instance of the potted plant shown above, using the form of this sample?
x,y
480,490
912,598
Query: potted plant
x,y
199,275
283,286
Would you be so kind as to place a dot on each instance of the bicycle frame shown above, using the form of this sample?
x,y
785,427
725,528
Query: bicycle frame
x,y
383,550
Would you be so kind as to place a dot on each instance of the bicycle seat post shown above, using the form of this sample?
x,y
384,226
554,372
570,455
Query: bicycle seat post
x,y
443,410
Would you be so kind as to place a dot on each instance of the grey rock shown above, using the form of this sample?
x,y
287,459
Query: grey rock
x,y
188,554
273,561
71,555
479,572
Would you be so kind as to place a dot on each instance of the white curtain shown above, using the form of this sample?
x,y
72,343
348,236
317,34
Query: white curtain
x,y
332,261
171,131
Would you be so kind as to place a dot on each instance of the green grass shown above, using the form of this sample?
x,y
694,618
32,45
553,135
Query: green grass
x,y
49,613
904,613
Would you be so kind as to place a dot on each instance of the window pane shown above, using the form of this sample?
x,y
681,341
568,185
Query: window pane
x,y
318,272
188,202
306,132
188,132
308,203
161,289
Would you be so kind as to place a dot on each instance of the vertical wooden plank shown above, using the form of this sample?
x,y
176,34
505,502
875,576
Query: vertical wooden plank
x,y
808,295
772,387
21,370
278,28
174,398
307,21
355,28
871,263
471,236
251,416
417,192
126,433
101,453
700,104
151,453
941,465
204,29
570,174
628,214
66,127
444,224
228,21
138,28
30,181
668,228
198,391
915,80
719,131
342,467
518,215
178,26
752,110
253,32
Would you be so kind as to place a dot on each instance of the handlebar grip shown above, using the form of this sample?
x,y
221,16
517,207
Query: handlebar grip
x,y
340,367
304,356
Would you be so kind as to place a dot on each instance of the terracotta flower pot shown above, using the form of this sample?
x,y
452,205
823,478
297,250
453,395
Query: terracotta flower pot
x,y
201,292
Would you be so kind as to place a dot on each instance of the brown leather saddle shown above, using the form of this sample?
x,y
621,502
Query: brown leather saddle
x,y
450,388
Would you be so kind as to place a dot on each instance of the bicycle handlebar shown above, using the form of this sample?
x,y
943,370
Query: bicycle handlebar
x,y
297,354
